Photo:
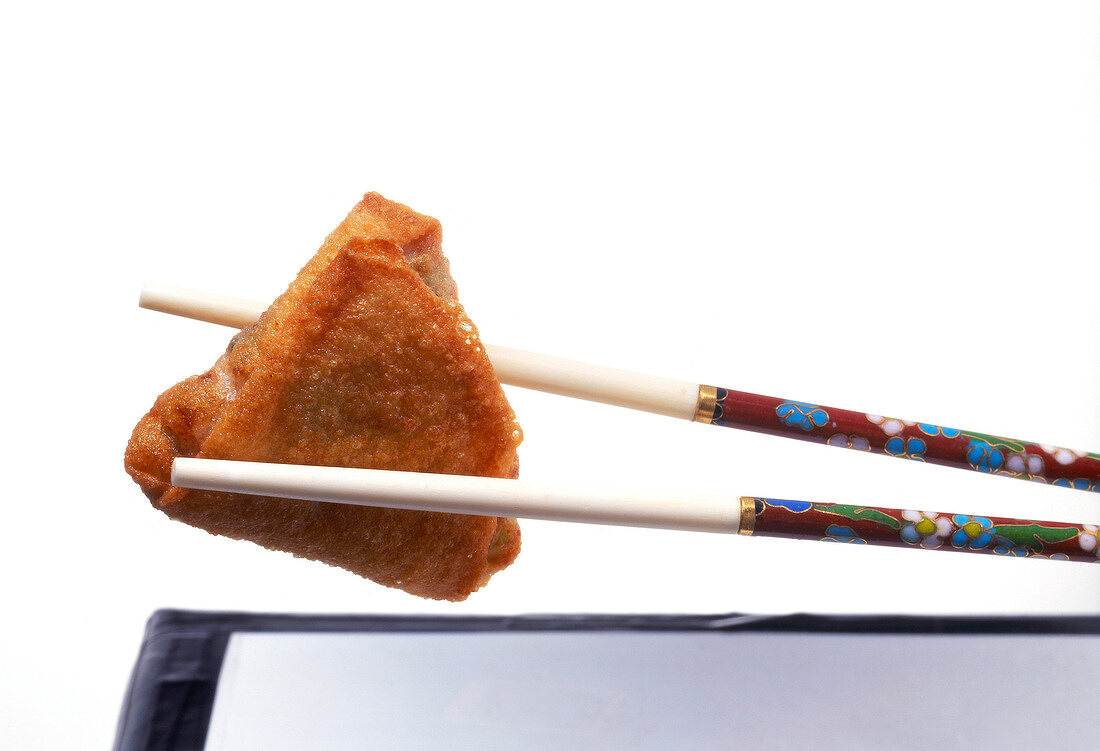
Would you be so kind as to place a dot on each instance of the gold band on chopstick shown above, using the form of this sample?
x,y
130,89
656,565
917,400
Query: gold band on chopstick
x,y
748,516
706,405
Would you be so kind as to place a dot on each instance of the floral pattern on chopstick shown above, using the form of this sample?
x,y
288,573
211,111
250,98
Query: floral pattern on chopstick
x,y
928,530
802,415
907,439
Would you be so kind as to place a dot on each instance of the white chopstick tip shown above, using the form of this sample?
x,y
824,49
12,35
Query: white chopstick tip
x,y
146,296
554,375
597,383
200,306
461,494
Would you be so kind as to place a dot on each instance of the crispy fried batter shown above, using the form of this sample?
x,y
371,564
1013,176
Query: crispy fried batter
x,y
358,364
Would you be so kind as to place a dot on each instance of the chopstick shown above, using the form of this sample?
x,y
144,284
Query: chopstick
x,y
748,515
555,375
905,439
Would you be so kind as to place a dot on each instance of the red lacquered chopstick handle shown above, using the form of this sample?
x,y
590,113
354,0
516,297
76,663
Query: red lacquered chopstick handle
x,y
919,441
868,525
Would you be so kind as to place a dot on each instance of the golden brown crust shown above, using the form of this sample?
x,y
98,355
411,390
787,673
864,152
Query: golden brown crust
x,y
420,238
359,364
179,421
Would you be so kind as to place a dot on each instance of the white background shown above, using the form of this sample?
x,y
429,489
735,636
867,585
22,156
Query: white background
x,y
886,207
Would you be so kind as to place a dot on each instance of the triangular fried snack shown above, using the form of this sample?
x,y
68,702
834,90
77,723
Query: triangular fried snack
x,y
360,363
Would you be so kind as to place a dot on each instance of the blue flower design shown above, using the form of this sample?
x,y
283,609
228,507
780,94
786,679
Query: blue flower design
x,y
836,533
984,457
910,448
1016,551
975,532
926,529
796,507
1078,484
928,429
805,416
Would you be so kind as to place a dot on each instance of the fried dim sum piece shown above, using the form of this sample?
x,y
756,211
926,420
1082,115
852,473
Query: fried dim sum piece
x,y
367,360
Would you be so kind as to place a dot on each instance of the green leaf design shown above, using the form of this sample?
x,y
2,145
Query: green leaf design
x,y
858,513
1009,444
1026,535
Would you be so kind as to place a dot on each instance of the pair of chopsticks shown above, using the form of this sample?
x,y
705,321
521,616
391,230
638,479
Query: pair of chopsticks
x,y
698,512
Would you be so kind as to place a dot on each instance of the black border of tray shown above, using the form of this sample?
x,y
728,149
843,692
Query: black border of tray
x,y
170,698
